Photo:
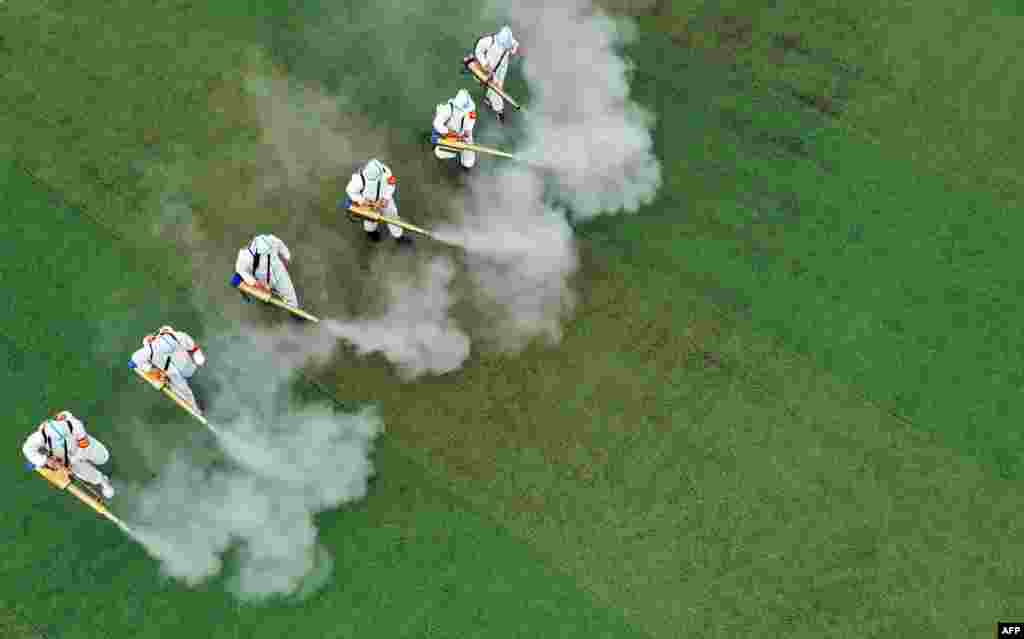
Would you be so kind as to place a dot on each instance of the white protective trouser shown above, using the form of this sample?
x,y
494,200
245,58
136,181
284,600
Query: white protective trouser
x,y
495,100
85,460
179,384
280,280
389,211
180,370
466,158
281,283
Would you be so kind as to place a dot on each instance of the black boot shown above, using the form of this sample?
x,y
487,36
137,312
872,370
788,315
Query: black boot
x,y
373,235
498,114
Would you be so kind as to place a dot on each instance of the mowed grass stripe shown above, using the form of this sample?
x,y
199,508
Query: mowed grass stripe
x,y
802,504
642,324
12,627
151,85
707,480
410,560
889,276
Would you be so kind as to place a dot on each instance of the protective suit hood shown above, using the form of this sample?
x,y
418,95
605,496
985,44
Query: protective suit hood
x,y
260,244
463,102
504,37
373,170
57,432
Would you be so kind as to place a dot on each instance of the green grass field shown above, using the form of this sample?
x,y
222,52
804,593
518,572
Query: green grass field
x,y
786,400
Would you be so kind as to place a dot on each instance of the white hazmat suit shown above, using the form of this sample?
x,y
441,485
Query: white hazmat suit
x,y
492,52
375,186
457,116
264,262
173,353
64,440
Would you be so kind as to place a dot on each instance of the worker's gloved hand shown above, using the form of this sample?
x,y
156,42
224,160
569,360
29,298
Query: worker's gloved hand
x,y
157,376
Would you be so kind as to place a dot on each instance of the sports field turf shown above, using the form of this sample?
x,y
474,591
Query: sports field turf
x,y
422,559
785,400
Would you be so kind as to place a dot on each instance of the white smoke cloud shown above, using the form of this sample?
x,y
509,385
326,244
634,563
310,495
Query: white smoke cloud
x,y
582,124
520,255
416,333
594,145
290,461
287,463
309,135
596,150
309,142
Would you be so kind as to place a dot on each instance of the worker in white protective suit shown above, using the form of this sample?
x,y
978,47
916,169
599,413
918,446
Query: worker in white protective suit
x,y
374,186
170,356
457,117
264,264
492,53
62,443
